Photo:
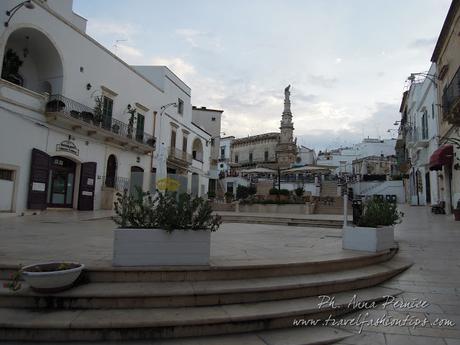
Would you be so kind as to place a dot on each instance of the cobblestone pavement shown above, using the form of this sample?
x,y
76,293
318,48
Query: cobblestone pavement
x,y
432,242
87,237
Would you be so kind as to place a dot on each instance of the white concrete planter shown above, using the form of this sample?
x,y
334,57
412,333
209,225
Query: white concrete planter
x,y
368,239
156,247
49,280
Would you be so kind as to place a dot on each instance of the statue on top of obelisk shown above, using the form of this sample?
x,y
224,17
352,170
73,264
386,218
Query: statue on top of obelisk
x,y
287,101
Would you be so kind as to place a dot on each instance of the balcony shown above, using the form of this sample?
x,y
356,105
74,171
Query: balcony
x,y
68,113
451,101
179,158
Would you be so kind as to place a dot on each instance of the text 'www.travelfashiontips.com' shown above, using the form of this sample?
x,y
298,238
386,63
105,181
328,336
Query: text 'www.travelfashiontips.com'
x,y
396,313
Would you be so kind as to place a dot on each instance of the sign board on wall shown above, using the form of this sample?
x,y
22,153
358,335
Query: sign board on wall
x,y
68,146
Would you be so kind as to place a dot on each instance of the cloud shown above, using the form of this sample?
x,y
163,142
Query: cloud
x,y
179,66
127,53
423,43
322,80
201,40
120,30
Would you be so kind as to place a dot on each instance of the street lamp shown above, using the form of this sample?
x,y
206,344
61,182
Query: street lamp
x,y
430,77
10,13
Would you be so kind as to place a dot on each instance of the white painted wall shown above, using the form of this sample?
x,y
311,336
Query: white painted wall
x,y
84,61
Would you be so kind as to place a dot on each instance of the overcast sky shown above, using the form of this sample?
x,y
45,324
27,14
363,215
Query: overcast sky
x,y
347,61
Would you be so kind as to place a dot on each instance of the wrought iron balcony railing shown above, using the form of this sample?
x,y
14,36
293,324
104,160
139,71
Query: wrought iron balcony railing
x,y
175,153
70,108
451,98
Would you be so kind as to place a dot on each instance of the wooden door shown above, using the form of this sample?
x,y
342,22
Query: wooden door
x,y
87,184
38,180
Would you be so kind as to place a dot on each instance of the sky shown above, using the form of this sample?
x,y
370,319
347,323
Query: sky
x,y
347,60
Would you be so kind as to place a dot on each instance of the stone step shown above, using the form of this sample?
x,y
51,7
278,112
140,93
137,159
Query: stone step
x,y
288,336
202,293
158,323
319,223
201,273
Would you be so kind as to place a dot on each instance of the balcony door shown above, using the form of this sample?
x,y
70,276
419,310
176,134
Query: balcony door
x,y
140,127
107,109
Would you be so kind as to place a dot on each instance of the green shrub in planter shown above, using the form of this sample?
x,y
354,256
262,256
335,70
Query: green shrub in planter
x,y
242,192
299,191
380,213
164,211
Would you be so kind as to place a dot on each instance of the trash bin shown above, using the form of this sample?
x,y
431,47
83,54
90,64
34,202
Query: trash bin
x,y
357,206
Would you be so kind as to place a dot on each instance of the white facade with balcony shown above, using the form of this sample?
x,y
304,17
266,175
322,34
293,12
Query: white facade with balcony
x,y
422,140
77,122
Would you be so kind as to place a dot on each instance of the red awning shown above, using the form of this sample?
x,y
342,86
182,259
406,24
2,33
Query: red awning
x,y
442,156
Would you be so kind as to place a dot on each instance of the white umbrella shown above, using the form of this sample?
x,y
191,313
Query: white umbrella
x,y
306,168
259,171
161,157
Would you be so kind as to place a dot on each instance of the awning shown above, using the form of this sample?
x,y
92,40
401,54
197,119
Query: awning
x,y
442,156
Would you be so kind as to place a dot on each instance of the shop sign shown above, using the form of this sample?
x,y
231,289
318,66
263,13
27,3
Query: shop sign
x,y
68,146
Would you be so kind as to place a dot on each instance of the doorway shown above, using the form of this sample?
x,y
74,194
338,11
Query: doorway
x,y
62,182
427,188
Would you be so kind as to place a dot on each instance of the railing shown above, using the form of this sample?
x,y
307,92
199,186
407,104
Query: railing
x,y
180,155
451,94
70,108
118,183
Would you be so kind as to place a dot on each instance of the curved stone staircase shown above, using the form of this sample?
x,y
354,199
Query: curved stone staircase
x,y
201,305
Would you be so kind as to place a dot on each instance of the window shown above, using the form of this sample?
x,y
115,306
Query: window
x,y
236,158
173,139
425,124
184,144
6,174
180,106
212,141
222,152
266,156
107,109
250,157
140,127
213,119
432,111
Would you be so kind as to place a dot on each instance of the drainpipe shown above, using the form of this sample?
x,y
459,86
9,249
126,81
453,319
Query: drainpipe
x,y
151,157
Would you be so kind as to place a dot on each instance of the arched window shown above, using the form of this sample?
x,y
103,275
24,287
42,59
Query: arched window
x,y
111,172
197,150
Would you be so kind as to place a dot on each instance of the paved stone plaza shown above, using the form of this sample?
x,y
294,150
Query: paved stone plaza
x,y
431,241
87,237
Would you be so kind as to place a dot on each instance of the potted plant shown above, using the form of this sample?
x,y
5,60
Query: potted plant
x,y
47,277
98,111
456,211
162,230
375,229
11,65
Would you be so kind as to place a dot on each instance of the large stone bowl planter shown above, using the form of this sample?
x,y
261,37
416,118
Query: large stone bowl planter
x,y
52,276
368,239
156,247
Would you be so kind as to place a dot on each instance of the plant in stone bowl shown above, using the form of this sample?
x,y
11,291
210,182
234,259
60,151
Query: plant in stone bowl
x,y
167,229
375,229
46,277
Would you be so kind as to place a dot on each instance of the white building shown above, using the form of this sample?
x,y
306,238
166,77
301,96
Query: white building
x,y
342,158
210,120
420,110
77,122
225,154
305,156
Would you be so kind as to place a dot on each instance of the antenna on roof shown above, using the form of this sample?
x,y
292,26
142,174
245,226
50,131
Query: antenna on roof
x,y
115,46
